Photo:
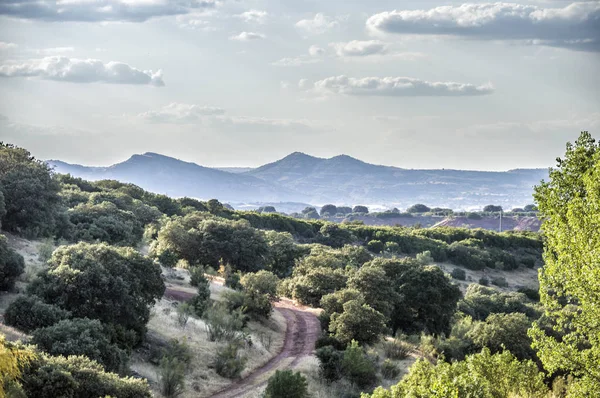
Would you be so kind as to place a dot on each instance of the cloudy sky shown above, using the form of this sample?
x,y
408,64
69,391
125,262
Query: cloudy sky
x,y
415,84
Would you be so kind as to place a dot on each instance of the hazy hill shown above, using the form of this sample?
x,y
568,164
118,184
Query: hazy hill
x,y
343,179
303,178
163,174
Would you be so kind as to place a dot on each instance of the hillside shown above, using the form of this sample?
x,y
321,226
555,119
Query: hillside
x,y
174,177
303,178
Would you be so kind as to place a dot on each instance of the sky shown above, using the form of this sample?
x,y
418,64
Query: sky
x,y
413,84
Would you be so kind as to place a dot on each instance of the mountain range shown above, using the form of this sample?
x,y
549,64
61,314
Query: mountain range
x,y
342,180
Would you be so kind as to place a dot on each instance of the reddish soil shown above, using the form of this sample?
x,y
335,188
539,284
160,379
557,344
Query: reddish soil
x,y
302,331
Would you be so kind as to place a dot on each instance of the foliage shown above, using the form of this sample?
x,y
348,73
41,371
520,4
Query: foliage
x,y
424,258
228,361
504,332
480,375
184,311
201,301
223,325
261,282
569,205
77,376
359,322
328,210
12,359
484,281
12,265
251,303
28,313
315,283
396,349
492,209
418,208
357,367
81,337
480,301
375,246
330,360
499,281
335,235
286,384
389,370
360,209
30,190
171,377
459,273
283,253
114,285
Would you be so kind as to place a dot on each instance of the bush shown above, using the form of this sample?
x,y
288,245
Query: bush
x,y
459,273
45,250
375,246
197,276
330,362
262,282
77,376
28,313
358,322
425,258
357,367
396,349
252,304
328,340
81,337
201,301
229,362
389,370
531,293
286,384
484,281
500,281
184,311
171,377
223,325
12,265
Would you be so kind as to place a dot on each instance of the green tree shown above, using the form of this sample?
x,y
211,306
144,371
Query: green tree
x,y
283,252
114,285
28,313
569,205
358,321
418,208
261,282
492,209
480,375
286,384
12,265
328,210
360,209
504,331
357,367
30,191
81,337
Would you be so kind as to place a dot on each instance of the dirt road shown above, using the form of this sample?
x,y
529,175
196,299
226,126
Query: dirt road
x,y
302,331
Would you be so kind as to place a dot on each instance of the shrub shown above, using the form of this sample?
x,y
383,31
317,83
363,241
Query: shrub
x,y
396,349
171,377
184,310
252,304
327,340
201,301
45,250
223,325
500,281
286,384
262,282
425,258
389,370
330,362
459,273
197,276
12,265
531,293
357,367
358,322
484,281
375,246
28,313
81,337
77,376
229,362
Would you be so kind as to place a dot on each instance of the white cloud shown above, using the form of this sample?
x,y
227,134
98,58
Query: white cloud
x,y
320,24
358,48
574,26
296,61
81,71
254,16
316,51
7,46
180,113
99,10
303,83
55,50
396,87
247,36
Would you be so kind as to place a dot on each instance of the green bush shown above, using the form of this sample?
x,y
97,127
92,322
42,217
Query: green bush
x,y
228,362
459,273
357,367
375,246
171,377
499,281
252,304
330,362
184,311
484,281
223,325
389,370
12,265
286,384
357,322
425,258
81,337
201,301
28,313
77,376
262,282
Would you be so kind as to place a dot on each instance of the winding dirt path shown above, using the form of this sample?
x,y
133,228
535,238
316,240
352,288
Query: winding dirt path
x,y
302,331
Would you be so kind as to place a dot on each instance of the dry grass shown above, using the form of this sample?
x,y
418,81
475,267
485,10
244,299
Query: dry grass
x,y
516,278
201,380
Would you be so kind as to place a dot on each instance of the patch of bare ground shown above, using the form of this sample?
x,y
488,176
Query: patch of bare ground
x,y
521,277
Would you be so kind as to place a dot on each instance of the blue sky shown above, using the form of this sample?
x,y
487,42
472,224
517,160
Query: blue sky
x,y
415,84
